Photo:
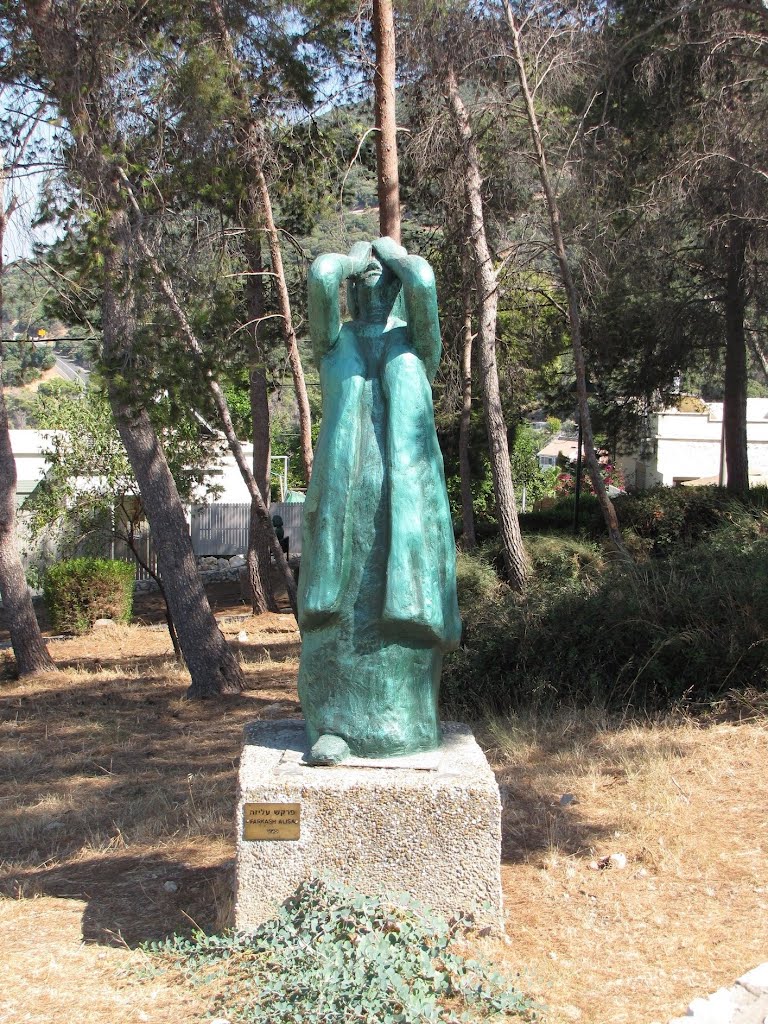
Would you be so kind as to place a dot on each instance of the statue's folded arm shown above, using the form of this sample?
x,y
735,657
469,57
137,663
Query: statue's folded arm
x,y
325,277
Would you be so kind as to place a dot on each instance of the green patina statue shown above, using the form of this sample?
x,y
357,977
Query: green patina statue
x,y
377,588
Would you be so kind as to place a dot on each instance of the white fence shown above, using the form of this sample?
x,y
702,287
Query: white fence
x,y
220,530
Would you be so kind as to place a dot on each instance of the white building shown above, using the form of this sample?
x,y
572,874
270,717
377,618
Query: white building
x,y
550,453
219,526
29,448
226,476
687,445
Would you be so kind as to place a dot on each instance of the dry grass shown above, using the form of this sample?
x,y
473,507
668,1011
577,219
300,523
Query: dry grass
x,y
58,979
685,803
113,784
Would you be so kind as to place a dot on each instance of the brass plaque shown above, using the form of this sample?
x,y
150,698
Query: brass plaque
x,y
271,821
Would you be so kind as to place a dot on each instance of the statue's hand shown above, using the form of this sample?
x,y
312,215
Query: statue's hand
x,y
359,258
389,252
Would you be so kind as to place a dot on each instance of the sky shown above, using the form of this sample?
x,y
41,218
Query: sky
x,y
28,140
20,235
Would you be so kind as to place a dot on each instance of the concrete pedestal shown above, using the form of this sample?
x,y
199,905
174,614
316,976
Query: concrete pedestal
x,y
428,825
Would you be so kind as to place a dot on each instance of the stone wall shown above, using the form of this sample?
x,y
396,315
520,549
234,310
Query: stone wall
x,y
212,570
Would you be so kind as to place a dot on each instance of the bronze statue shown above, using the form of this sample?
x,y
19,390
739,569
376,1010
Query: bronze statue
x,y
377,589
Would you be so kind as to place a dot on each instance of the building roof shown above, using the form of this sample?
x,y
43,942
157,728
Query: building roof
x,y
757,411
755,480
560,446
31,442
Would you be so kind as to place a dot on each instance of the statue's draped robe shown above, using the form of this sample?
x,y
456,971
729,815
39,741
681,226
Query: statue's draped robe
x,y
377,588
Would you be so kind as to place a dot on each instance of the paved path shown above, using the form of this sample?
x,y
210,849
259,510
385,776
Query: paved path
x,y
745,1002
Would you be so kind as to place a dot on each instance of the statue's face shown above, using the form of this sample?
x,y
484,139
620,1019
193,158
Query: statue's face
x,y
372,274
372,291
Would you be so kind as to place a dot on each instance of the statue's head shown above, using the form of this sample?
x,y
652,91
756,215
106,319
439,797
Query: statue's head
x,y
374,288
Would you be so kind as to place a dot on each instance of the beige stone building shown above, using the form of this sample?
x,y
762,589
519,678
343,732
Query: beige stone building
x,y
686,446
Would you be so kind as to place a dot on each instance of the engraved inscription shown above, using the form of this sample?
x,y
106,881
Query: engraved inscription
x,y
271,821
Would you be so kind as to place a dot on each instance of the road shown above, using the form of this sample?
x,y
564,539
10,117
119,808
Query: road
x,y
71,371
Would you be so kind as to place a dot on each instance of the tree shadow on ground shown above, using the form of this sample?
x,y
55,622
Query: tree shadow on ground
x,y
253,652
140,898
116,784
533,825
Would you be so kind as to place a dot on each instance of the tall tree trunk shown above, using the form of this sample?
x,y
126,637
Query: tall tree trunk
x,y
251,140
194,348
212,665
29,647
257,560
130,542
469,540
735,397
515,558
385,119
289,333
574,316
27,641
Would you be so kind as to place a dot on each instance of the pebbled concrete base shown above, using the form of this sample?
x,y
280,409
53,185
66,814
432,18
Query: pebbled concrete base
x,y
745,1002
427,825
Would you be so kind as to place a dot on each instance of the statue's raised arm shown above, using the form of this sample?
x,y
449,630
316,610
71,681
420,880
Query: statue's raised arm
x,y
419,298
325,277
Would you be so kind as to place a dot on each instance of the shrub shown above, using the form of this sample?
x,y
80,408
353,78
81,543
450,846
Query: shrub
x,y
689,627
660,518
565,482
81,590
758,497
333,956
666,517
559,516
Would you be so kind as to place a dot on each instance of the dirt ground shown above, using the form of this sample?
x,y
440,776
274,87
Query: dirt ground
x,y
116,827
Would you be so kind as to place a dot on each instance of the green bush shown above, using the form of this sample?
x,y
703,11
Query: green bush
x,y
559,516
758,497
333,956
662,517
671,516
686,628
81,590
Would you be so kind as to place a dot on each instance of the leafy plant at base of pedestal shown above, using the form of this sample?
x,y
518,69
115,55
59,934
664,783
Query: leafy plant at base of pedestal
x,y
337,957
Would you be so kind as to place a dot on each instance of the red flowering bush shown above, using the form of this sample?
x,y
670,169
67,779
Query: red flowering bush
x,y
565,483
